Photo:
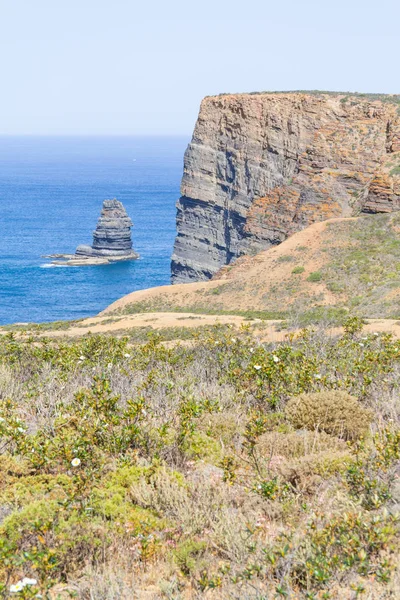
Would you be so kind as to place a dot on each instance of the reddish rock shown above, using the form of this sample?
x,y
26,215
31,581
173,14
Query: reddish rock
x,y
263,166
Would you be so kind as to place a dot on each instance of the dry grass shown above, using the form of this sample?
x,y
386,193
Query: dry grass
x,y
322,272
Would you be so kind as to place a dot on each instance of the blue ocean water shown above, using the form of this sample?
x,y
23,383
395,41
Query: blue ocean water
x,y
51,192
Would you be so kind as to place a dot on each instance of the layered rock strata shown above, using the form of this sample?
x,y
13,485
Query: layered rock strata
x,y
112,236
112,239
263,166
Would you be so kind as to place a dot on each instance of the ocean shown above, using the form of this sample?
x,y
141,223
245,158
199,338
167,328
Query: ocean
x,y
51,193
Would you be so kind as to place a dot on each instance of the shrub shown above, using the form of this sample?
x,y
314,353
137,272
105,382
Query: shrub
x,y
315,276
187,555
395,170
298,270
334,412
297,444
285,258
223,427
324,464
347,541
353,325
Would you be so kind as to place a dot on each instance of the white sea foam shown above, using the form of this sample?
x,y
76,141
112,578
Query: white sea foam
x,y
50,266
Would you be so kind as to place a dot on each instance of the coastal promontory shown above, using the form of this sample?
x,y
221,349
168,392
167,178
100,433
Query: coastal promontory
x,y
263,166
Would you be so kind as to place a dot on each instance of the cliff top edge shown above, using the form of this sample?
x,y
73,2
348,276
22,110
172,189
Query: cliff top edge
x,y
393,98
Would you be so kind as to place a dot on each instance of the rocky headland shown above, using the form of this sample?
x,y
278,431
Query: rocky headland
x,y
112,239
262,166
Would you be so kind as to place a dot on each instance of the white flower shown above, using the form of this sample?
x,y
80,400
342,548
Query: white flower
x,y
21,429
375,333
16,587
109,366
127,355
361,344
82,358
28,581
317,376
257,367
216,343
1,420
233,340
252,350
75,462
275,358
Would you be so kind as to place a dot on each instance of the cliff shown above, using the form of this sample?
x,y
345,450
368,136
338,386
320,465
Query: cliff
x,y
262,166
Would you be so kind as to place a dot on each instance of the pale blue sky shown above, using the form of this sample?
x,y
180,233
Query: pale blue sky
x,y
128,67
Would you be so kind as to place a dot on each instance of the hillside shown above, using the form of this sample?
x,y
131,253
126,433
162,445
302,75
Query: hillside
x,y
333,268
262,166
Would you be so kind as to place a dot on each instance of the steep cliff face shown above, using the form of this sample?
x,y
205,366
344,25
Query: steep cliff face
x,y
263,166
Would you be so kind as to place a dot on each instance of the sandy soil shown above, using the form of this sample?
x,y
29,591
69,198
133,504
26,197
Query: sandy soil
x,y
264,331
156,321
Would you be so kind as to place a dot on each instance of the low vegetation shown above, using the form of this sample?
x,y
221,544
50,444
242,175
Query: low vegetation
x,y
395,170
351,267
222,469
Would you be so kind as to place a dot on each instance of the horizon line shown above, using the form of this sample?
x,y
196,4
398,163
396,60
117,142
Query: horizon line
x,y
95,134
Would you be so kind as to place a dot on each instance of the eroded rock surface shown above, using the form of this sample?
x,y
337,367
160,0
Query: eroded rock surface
x,y
112,236
263,166
112,239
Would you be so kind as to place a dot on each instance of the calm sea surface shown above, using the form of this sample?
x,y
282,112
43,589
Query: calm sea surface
x,y
51,192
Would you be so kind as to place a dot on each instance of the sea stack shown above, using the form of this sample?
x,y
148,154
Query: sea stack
x,y
112,236
112,239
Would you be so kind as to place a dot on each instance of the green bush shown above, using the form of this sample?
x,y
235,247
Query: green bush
x,y
395,170
298,270
315,276
188,554
285,258
334,412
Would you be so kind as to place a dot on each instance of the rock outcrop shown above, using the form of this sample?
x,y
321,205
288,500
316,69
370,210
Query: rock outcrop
x,y
262,166
112,239
112,236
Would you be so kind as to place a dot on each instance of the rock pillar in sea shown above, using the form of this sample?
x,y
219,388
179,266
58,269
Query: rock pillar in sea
x,y
112,236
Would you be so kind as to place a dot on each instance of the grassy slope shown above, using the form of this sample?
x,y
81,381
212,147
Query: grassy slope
x,y
334,267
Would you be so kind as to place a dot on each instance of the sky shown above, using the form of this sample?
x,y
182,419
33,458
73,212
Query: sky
x,y
134,67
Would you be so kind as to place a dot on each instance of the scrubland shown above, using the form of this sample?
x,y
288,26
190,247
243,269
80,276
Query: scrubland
x,y
227,468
